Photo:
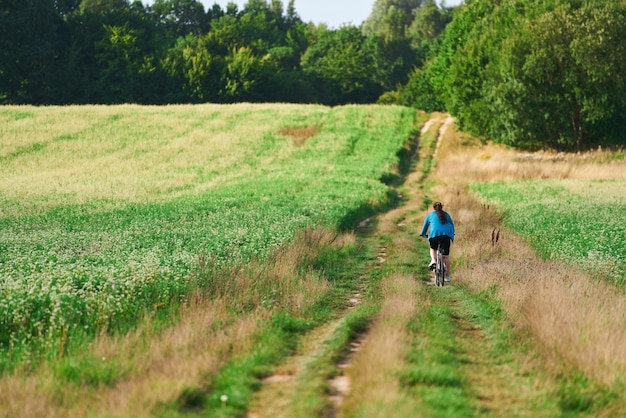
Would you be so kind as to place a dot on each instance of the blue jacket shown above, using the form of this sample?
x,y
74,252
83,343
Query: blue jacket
x,y
438,229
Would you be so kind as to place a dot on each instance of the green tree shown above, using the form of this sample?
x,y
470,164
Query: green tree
x,y
292,16
182,17
426,88
564,78
102,7
419,91
232,9
341,69
256,28
377,23
247,76
429,22
87,29
400,34
122,63
259,38
32,48
191,67
114,53
214,13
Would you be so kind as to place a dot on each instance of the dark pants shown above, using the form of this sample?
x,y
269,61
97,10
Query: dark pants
x,y
444,240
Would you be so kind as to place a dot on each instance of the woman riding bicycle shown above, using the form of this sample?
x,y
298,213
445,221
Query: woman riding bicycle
x,y
441,233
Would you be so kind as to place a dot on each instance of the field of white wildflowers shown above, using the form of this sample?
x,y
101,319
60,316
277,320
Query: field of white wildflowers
x,y
105,210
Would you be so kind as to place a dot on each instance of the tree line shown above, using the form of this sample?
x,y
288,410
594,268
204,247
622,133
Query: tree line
x,y
548,74
175,51
531,74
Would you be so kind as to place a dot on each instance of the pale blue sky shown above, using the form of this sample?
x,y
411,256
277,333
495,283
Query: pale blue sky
x,y
331,12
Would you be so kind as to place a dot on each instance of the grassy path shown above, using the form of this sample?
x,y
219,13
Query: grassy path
x,y
310,383
428,351
279,390
465,362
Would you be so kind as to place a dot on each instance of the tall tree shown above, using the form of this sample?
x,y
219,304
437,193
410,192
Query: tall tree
x,y
292,16
31,51
192,68
247,76
341,67
400,33
564,78
375,24
182,17
468,61
428,23
114,44
120,57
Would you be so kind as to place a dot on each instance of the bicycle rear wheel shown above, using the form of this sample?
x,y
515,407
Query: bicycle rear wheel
x,y
440,270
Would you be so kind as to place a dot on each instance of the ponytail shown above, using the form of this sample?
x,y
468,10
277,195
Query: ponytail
x,y
438,206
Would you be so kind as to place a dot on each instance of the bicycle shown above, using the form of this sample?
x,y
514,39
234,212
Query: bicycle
x,y
440,268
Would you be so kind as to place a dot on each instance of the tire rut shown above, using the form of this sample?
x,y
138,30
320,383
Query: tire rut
x,y
275,396
340,386
499,384
279,390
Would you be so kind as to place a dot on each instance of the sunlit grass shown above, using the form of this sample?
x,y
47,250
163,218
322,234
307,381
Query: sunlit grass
x,y
137,153
106,210
581,222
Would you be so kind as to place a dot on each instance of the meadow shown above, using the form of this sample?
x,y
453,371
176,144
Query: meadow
x,y
106,211
581,222
172,261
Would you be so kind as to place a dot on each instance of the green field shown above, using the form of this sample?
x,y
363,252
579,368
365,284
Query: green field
x,y
104,210
580,222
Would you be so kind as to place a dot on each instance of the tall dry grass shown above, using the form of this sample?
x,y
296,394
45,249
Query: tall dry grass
x,y
155,365
578,320
466,158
